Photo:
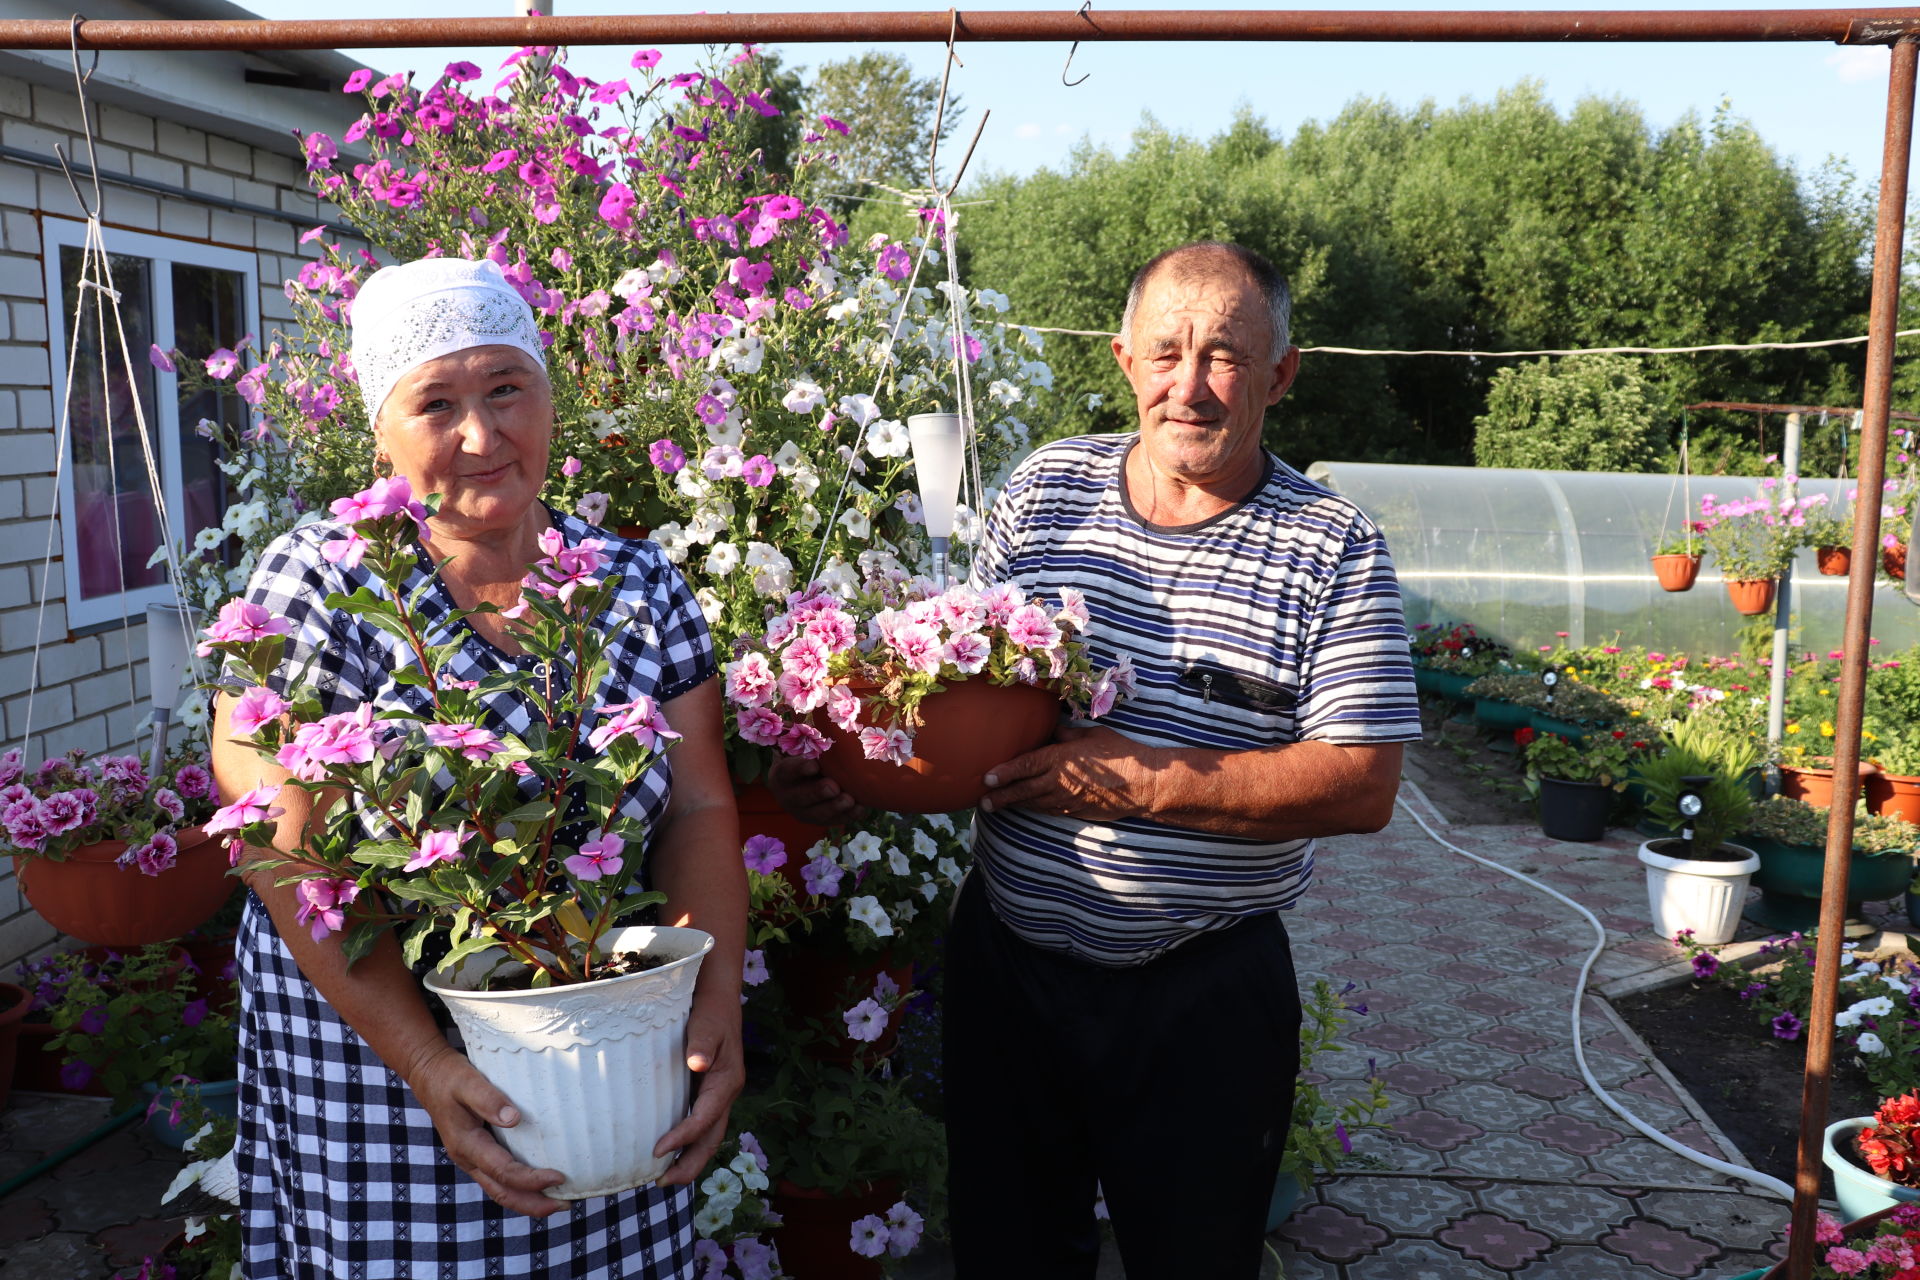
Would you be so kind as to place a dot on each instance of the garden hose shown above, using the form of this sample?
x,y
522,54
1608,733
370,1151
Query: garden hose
x,y
1754,1176
74,1148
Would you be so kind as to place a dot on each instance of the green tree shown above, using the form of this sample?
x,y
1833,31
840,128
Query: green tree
x,y
892,112
1587,413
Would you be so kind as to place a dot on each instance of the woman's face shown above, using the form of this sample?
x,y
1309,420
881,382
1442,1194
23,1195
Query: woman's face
x,y
474,427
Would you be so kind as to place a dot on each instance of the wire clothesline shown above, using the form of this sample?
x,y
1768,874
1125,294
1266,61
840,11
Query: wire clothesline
x,y
1510,355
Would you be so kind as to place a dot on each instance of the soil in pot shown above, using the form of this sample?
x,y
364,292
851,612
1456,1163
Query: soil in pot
x,y
1746,1080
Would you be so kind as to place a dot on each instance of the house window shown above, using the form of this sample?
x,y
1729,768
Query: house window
x,y
184,297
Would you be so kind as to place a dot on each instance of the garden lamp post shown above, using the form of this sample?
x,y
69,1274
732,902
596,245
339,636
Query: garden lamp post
x,y
939,443
169,639
1551,679
1690,801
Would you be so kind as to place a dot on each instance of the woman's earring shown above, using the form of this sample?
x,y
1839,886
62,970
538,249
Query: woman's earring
x,y
382,464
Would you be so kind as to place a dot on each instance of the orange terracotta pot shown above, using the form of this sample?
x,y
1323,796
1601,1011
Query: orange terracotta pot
x,y
761,815
968,728
814,1237
822,983
1815,785
1750,596
1894,794
1834,562
638,532
1676,572
1894,560
90,897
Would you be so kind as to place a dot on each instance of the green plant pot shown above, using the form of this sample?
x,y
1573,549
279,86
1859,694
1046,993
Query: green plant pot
x,y
1445,684
1498,716
222,1097
1544,723
1574,811
1789,882
1287,1196
1913,909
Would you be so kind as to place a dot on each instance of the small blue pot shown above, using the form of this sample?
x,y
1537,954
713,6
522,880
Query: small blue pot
x,y
222,1097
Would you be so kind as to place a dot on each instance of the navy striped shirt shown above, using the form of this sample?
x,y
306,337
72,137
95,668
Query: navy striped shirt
x,y
1276,621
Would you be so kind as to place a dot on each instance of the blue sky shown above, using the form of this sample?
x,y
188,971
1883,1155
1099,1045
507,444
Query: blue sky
x,y
1808,100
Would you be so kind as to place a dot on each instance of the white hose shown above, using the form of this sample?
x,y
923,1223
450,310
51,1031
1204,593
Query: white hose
x,y
1764,1181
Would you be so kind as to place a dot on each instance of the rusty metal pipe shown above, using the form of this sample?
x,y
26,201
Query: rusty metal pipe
x,y
1855,26
1815,1087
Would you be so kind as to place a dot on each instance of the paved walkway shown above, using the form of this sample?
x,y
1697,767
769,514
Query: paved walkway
x,y
1500,1164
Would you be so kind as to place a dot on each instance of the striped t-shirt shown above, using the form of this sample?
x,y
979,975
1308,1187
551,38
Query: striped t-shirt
x,y
1276,621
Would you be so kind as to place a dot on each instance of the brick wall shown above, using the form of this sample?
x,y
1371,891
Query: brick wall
x,y
83,699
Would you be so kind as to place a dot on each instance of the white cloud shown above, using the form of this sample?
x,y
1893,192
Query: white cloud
x,y
1062,130
1028,130
1855,63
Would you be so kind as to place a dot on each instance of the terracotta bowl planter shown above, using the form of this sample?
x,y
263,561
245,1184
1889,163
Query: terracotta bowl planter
x,y
1676,572
1750,595
762,815
1894,560
813,1239
1812,783
821,983
1834,562
968,728
1894,793
90,897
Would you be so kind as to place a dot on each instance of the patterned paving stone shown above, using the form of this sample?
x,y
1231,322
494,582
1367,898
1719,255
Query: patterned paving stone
x,y
1332,1233
1668,1117
1495,1240
1540,1082
1487,1002
1397,1153
1417,1259
1393,1037
1366,971
1465,1058
1573,1135
1384,999
1737,1221
1590,1262
1667,1250
1443,1019
1491,1106
1439,914
1645,1162
1335,914
1473,975
1452,944
1416,1080
1299,1264
1405,956
1567,1213
1435,1130
1499,1154
1406,1206
1519,1040
1529,920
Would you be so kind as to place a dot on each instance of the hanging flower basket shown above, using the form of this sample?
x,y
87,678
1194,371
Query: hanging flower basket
x,y
90,896
1750,595
1676,572
966,729
1894,560
1834,562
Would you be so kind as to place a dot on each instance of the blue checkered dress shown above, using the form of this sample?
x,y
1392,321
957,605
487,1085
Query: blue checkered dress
x,y
341,1174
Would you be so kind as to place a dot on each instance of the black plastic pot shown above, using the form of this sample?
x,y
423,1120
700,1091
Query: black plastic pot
x,y
1575,811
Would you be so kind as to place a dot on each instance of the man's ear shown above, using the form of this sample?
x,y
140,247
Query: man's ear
x,y
1124,358
1283,375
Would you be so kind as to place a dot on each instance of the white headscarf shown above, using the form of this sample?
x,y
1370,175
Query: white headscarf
x,y
409,314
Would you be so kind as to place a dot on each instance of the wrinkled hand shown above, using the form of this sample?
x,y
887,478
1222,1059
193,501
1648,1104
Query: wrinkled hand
x,y
714,1051
462,1103
1094,774
808,795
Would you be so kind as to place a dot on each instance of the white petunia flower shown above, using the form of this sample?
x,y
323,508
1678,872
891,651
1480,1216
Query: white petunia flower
x,y
712,607
897,862
1870,1043
888,439
803,396
860,408
864,847
856,521
868,911
723,559
1004,393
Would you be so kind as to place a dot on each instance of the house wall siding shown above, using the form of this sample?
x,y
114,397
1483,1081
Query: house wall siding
x,y
86,697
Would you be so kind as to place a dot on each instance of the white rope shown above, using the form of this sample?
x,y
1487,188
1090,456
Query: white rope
x,y
1519,355
1764,1181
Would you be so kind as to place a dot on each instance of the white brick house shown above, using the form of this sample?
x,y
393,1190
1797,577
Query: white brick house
x,y
203,200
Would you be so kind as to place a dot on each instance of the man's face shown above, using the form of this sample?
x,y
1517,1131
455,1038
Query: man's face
x,y
1200,363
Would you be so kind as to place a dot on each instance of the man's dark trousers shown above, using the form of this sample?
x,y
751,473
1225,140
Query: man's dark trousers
x,y
1170,1084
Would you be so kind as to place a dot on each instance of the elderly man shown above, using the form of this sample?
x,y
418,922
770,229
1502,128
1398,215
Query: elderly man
x,y
1121,1007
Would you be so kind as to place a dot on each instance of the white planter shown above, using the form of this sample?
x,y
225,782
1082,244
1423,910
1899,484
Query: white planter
x,y
1705,897
598,1070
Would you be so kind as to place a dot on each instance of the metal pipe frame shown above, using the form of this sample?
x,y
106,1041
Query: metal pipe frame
x,y
1840,26
1896,27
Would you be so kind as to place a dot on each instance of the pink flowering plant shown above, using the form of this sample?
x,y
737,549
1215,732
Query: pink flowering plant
x,y
480,864
71,801
1755,538
1889,1251
865,664
132,1019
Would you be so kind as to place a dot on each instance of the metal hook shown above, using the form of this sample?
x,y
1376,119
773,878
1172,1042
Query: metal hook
x,y
73,38
1084,6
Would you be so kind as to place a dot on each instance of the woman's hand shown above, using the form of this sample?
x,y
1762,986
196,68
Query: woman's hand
x,y
714,1051
809,795
462,1103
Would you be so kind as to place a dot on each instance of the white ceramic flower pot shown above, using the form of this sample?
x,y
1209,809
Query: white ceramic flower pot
x,y
1705,897
1859,1191
597,1069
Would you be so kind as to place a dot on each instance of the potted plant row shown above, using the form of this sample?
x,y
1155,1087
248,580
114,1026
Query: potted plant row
x,y
1447,659
1790,838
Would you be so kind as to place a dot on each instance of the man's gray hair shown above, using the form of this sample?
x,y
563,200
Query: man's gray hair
x,y
1265,276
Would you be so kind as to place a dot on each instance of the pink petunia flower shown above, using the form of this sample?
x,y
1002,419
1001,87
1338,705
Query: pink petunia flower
x,y
437,847
255,708
597,858
323,905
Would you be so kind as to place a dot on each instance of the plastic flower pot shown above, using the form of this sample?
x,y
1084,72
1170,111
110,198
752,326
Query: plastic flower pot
x,y
1676,572
1894,560
1574,811
1834,562
598,1069
1446,684
1542,722
1894,793
1859,1190
221,1097
1790,875
821,982
1750,595
1501,717
1287,1197
91,897
817,1227
761,815
1814,785
967,729
1698,894
13,1010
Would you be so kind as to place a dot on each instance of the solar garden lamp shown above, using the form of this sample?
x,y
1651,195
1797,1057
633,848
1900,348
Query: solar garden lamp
x,y
1551,679
939,455
169,627
1690,802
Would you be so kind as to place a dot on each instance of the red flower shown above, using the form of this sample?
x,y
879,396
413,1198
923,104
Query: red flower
x,y
1619,733
1523,736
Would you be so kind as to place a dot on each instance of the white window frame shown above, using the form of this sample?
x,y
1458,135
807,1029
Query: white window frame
x,y
163,252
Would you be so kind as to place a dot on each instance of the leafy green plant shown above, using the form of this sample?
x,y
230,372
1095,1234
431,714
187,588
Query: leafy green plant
x,y
1725,801
1585,413
1603,757
1320,1139
1518,687
132,1019
1789,821
1685,541
1883,834
1898,752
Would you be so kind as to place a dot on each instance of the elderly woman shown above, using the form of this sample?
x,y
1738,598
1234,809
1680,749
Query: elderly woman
x,y
363,1148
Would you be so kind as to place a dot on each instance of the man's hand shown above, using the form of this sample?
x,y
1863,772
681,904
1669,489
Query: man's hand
x,y
1094,774
810,796
462,1103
